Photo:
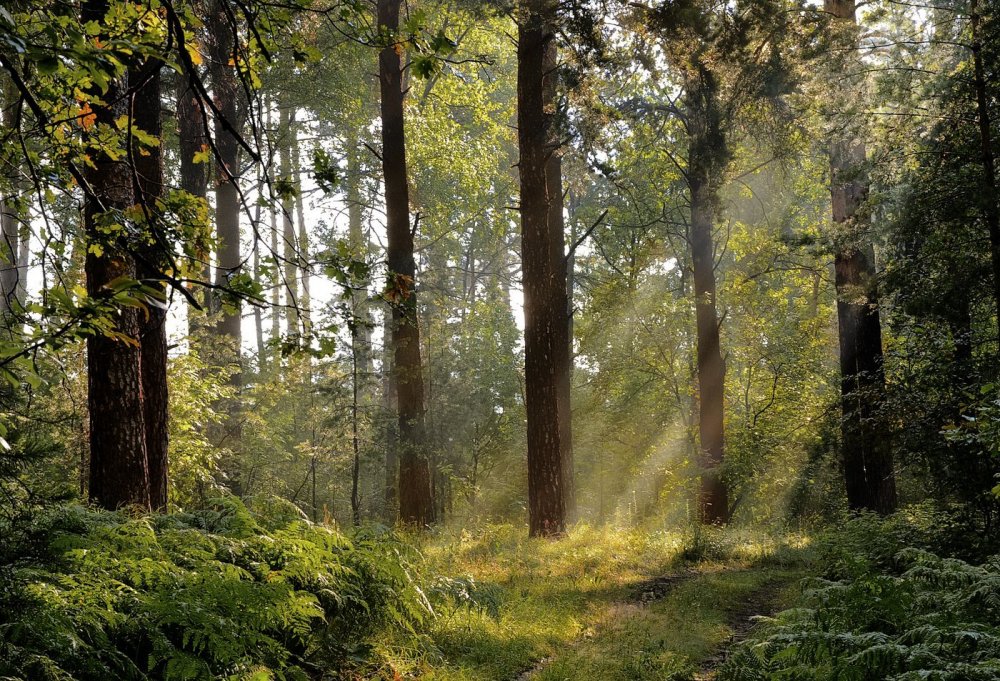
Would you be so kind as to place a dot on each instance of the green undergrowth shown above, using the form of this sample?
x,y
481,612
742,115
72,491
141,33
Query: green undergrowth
x,y
537,599
216,593
886,609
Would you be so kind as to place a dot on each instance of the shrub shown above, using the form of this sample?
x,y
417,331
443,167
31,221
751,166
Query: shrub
x,y
207,594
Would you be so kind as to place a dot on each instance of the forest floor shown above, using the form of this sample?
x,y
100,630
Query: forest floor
x,y
608,605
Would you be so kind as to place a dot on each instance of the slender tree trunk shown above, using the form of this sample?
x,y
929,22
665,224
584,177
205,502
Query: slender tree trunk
x,y
275,280
359,247
415,503
991,210
258,314
355,442
866,451
557,249
119,471
153,261
225,91
303,237
290,247
544,336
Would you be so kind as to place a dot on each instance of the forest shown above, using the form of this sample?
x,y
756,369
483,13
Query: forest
x,y
611,340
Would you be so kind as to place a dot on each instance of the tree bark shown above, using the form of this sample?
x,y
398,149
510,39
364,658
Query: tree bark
x,y
866,451
152,262
225,92
713,499
544,337
561,323
707,158
119,472
415,502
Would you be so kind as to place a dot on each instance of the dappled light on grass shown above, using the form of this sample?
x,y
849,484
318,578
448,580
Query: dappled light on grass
x,y
551,594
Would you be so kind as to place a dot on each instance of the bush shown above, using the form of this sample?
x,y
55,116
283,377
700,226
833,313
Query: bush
x,y
89,594
889,609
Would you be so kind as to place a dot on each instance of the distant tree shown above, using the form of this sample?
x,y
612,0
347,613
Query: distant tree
x,y
865,448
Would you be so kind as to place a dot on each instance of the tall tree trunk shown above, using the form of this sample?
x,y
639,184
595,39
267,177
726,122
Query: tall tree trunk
x,y
563,346
866,451
991,210
544,336
225,92
713,500
153,261
290,248
707,158
119,472
192,140
415,503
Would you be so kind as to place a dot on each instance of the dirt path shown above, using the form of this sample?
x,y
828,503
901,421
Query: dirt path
x,y
763,601
640,594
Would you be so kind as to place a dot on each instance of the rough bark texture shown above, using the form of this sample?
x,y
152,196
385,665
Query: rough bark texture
x,y
707,156
152,261
561,323
119,473
415,502
866,453
543,305
225,92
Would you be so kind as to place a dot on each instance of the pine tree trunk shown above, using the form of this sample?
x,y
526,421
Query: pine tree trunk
x,y
153,261
225,92
119,472
866,451
544,336
415,503
557,249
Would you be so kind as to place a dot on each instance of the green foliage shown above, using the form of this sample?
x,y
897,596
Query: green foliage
x,y
888,610
206,594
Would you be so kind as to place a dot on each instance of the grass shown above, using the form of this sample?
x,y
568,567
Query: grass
x,y
573,602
